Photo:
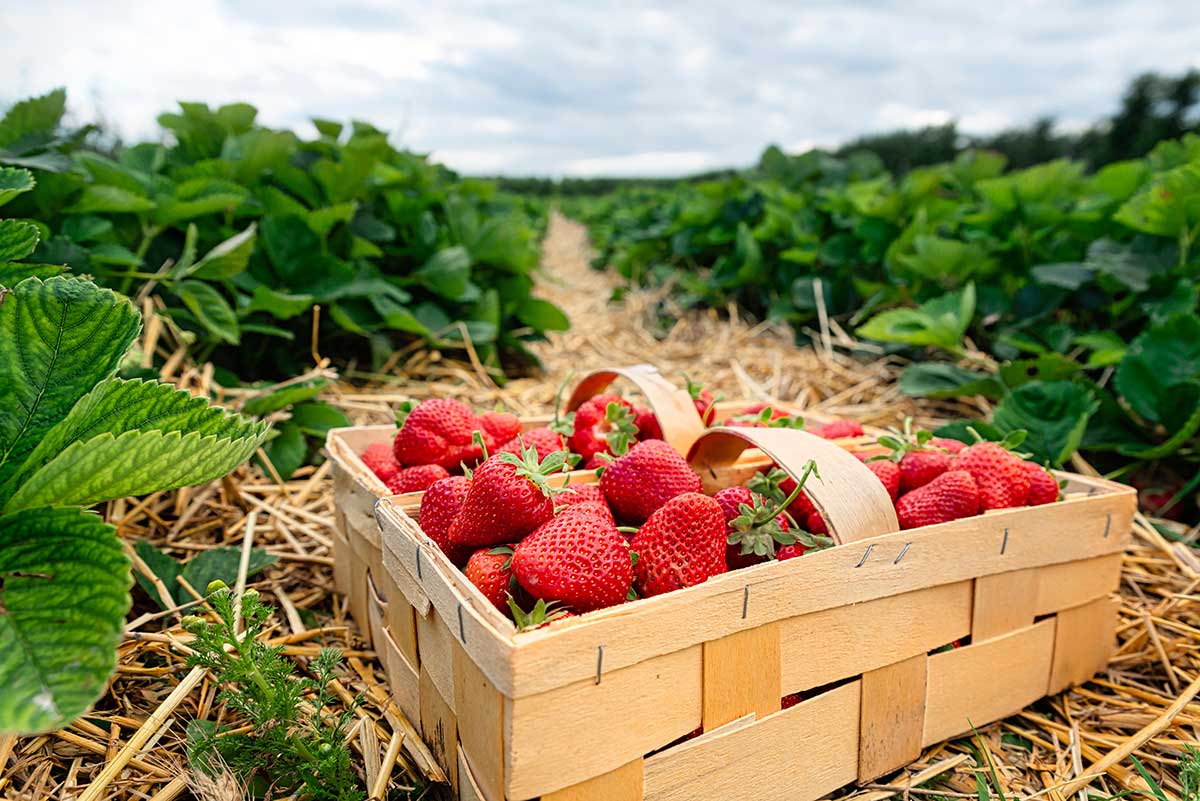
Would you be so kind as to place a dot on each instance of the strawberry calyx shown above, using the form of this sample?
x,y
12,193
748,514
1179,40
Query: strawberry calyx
x,y
901,442
623,428
757,528
562,424
1012,440
539,472
541,614
403,410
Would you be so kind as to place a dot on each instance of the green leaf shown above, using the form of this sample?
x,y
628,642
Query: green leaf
x,y
1055,413
14,181
12,274
98,199
114,254
210,308
64,580
1169,206
285,396
223,563
290,244
941,380
1180,414
1159,357
17,239
315,418
33,116
1107,348
58,338
287,450
226,259
162,566
279,305
1047,367
448,273
941,322
542,315
1068,275
117,406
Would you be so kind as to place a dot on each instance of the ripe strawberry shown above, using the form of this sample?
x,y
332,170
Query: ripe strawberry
x,y
510,496
888,473
542,439
436,431
591,508
501,425
752,539
816,524
681,545
490,569
415,479
950,496
1002,481
603,424
703,400
439,507
791,551
647,423
1043,488
951,446
578,493
919,463
645,478
577,559
380,460
839,429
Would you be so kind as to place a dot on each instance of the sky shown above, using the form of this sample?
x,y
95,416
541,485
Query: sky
x,y
601,87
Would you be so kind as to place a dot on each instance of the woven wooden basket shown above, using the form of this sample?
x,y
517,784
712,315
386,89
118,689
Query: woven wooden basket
x,y
598,706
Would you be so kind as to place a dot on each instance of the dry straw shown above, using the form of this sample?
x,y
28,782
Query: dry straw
x,y
132,745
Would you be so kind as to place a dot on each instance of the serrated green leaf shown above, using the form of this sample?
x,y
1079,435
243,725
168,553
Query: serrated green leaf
x,y
14,181
114,254
173,211
226,259
941,380
542,315
210,308
17,239
117,406
279,305
1054,413
1167,207
940,322
134,463
58,338
33,115
448,273
12,274
223,563
99,199
285,396
1161,356
64,580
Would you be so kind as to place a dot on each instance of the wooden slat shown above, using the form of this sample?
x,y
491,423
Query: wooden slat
x,y
403,679
439,727
978,684
741,675
376,611
480,712
569,735
802,752
854,504
935,555
892,717
406,580
621,784
468,788
399,618
1075,583
342,557
834,644
1083,642
1004,602
435,645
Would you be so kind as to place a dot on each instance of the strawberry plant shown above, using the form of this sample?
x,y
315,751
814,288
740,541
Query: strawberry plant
x,y
72,435
241,230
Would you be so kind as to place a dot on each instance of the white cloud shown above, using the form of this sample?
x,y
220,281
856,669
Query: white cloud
x,y
528,87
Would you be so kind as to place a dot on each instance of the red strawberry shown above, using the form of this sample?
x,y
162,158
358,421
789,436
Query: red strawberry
x,y
791,551
951,446
490,569
681,545
380,460
542,439
919,467
439,506
590,508
839,429
888,473
647,423
1003,482
950,496
603,424
578,559
578,493
436,431
415,479
645,478
816,524
703,400
1043,487
501,425
510,496
756,536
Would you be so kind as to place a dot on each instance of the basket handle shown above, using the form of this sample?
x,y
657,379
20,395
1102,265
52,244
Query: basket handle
x,y
852,500
677,416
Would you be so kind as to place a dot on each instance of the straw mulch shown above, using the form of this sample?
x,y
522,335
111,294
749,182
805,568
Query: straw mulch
x,y
132,745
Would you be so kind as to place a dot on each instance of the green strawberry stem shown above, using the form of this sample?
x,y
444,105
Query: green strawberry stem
x,y
810,468
627,529
477,439
564,424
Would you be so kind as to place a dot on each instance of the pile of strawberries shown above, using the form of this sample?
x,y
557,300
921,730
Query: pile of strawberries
x,y
933,480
